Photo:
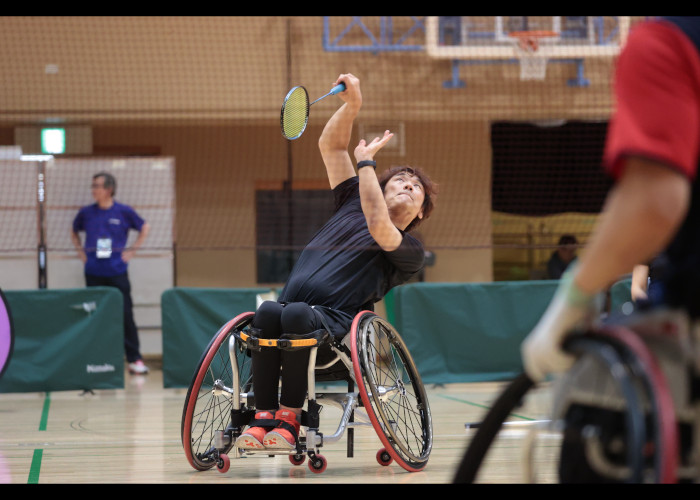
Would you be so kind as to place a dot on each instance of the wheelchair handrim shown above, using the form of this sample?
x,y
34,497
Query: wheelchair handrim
x,y
667,440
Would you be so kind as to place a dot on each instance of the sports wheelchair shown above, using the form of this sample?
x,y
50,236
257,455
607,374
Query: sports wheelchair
x,y
628,411
372,356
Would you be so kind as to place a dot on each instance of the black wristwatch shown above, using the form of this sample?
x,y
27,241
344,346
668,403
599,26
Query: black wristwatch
x,y
367,163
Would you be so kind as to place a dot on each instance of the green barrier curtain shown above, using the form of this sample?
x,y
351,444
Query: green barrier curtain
x,y
472,332
468,332
620,295
455,332
66,340
191,318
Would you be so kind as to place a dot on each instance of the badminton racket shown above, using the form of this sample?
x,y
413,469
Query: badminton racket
x,y
295,110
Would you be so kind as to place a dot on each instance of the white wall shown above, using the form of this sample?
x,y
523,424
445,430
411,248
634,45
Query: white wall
x,y
147,184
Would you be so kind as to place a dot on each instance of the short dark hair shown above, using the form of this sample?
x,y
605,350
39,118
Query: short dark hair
x,y
568,239
430,189
109,181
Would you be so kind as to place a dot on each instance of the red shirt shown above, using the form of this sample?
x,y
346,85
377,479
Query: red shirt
x,y
657,94
657,117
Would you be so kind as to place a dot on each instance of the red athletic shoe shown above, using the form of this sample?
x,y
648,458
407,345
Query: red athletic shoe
x,y
252,439
284,436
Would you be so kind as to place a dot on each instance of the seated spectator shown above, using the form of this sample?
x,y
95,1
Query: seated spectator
x,y
562,257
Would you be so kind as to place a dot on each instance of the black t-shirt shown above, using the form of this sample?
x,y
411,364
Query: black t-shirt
x,y
343,268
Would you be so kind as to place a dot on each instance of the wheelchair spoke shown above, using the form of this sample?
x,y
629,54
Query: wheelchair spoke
x,y
212,417
410,431
209,402
398,396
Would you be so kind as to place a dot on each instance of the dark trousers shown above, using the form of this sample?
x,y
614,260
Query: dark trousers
x,y
273,319
131,337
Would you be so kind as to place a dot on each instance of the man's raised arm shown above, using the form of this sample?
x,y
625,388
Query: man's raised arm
x,y
335,138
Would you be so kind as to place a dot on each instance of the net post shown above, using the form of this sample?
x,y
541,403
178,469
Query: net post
x,y
41,223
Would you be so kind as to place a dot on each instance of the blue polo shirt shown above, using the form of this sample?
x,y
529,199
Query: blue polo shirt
x,y
110,227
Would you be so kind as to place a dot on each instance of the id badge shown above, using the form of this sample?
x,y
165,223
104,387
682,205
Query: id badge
x,y
104,248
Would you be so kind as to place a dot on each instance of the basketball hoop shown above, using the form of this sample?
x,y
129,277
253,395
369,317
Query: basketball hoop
x,y
531,50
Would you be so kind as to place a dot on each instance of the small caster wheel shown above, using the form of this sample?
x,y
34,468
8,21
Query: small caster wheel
x,y
384,458
297,459
318,464
223,463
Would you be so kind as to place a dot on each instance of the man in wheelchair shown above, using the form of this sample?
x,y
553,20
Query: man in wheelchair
x,y
654,208
363,251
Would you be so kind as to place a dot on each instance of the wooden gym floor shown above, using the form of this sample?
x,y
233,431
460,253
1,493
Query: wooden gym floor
x,y
132,435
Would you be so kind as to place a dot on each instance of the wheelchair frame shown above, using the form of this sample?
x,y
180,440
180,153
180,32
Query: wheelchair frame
x,y
643,368
390,396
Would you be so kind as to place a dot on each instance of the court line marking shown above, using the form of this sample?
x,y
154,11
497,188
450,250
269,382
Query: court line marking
x,y
478,405
35,468
45,412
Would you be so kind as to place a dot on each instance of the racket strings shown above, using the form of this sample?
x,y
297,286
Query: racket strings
x,y
295,113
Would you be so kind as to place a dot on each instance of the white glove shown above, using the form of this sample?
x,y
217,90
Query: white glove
x,y
569,310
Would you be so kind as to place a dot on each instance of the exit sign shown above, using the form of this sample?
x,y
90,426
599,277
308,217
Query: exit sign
x,y
53,141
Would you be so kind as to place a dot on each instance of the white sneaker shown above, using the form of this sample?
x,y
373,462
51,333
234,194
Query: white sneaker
x,y
138,367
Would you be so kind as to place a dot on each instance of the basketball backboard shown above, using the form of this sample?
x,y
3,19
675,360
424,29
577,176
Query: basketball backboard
x,y
489,37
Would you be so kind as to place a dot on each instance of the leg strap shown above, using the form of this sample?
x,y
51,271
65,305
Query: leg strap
x,y
281,424
287,341
293,341
264,422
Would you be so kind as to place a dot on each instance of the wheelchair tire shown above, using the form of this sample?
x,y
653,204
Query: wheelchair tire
x,y
391,391
663,412
658,416
489,428
205,411
633,430
640,380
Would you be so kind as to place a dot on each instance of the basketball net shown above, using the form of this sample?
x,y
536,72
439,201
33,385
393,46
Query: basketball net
x,y
531,50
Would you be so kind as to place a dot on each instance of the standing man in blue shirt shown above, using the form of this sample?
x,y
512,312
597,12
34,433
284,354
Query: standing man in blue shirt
x,y
106,224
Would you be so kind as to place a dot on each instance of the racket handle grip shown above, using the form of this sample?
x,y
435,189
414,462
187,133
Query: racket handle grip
x,y
338,88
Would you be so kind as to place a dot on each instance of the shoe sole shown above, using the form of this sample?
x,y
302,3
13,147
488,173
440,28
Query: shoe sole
x,y
275,441
247,442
